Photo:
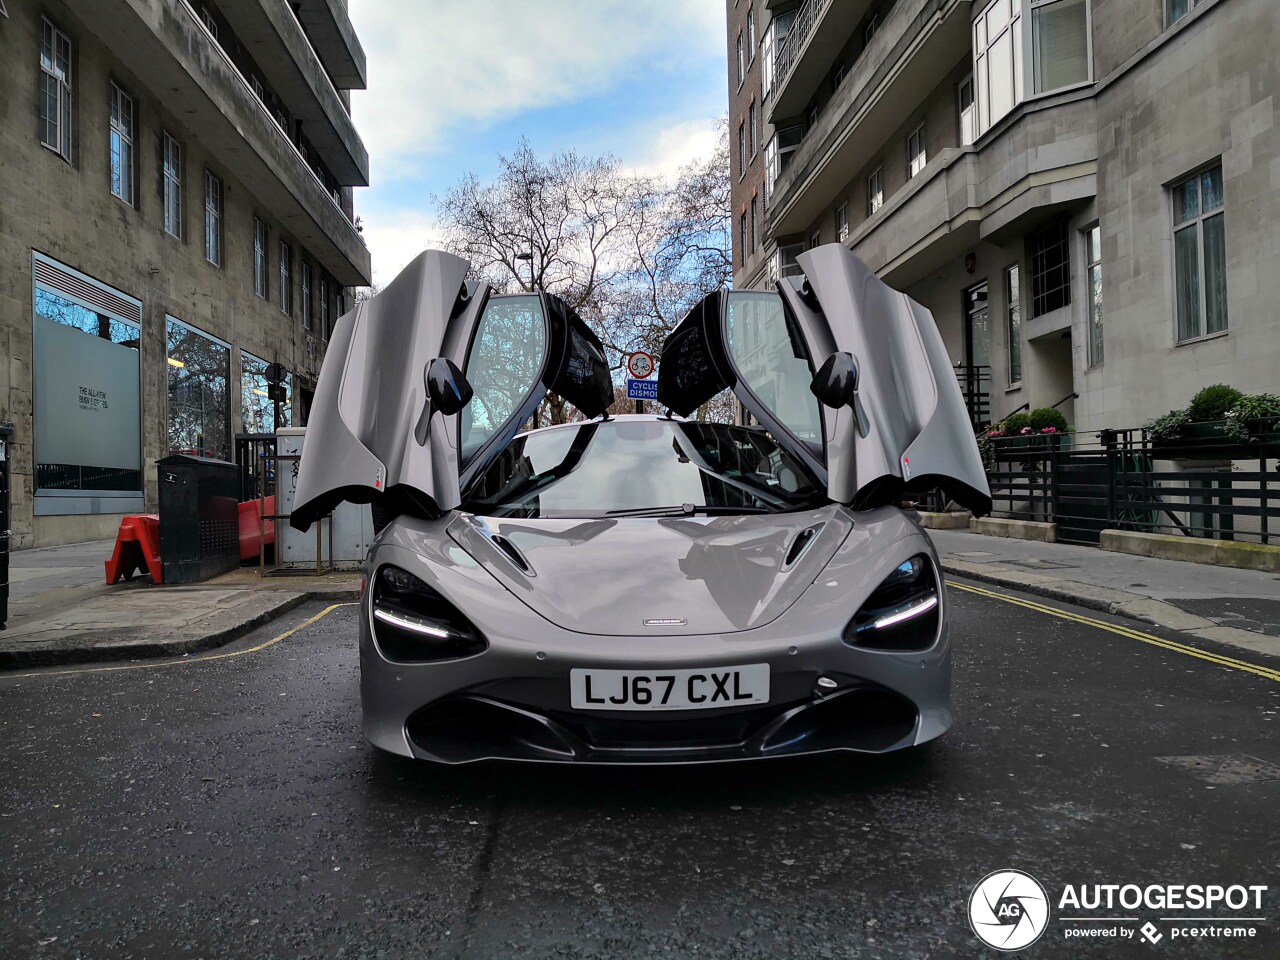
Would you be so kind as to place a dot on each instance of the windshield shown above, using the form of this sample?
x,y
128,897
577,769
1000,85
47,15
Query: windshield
x,y
633,467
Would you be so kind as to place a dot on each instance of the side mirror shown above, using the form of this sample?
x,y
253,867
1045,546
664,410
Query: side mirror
x,y
447,391
836,382
447,386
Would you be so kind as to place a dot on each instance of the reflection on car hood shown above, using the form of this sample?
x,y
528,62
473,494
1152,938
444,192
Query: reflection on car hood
x,y
703,575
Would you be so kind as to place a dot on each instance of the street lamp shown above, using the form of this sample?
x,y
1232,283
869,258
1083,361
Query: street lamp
x,y
529,257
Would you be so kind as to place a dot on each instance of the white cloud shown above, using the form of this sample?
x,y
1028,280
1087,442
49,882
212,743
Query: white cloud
x,y
676,146
431,64
395,239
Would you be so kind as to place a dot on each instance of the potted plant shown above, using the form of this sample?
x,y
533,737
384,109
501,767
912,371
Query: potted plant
x,y
1208,412
1254,418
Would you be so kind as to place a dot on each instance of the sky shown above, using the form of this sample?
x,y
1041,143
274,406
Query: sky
x,y
455,83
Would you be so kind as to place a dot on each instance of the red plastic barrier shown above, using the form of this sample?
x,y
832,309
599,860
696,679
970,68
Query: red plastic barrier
x,y
137,549
251,529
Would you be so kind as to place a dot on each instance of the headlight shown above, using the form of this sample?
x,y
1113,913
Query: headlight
x,y
412,623
902,613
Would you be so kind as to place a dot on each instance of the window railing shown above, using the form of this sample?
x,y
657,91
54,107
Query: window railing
x,y
333,196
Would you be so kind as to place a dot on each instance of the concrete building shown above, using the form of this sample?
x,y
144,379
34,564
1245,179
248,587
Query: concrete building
x,y
1086,193
175,216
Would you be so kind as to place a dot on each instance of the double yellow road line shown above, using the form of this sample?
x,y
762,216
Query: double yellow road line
x,y
1219,659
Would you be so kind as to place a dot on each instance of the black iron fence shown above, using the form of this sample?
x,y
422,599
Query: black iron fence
x,y
975,385
255,462
1210,486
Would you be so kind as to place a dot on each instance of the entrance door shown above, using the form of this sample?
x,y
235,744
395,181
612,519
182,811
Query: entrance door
x,y
975,376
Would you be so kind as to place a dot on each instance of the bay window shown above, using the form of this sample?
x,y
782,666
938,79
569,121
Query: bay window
x,y
1060,52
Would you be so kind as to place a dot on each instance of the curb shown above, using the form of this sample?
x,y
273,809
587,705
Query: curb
x,y
1121,603
151,649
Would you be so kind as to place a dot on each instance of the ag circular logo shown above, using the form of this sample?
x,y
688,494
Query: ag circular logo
x,y
1008,910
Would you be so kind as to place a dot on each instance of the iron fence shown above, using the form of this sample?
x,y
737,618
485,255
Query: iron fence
x,y
256,464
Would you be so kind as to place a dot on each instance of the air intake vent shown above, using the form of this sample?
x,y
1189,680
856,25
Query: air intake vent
x,y
512,554
800,544
55,276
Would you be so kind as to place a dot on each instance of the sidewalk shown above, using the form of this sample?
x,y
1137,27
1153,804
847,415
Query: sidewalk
x,y
1240,607
62,611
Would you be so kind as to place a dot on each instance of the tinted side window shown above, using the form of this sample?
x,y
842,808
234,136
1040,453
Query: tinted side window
x,y
772,361
504,365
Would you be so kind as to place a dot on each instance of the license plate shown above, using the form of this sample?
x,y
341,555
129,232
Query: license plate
x,y
703,688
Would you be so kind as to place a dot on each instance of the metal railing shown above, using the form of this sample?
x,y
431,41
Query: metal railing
x,y
255,462
1211,486
975,385
801,28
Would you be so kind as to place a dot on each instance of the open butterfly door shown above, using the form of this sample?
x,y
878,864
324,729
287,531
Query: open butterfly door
x,y
423,384
846,372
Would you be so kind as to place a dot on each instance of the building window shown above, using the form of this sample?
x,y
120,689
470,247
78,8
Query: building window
x,y
777,154
172,151
1200,255
968,113
257,409
742,238
86,406
55,89
121,144
742,60
772,46
207,16
842,71
788,262
1013,322
212,219
199,396
1050,269
815,239
842,222
875,191
916,158
308,320
286,288
752,136
997,55
755,223
1175,10
1093,254
742,150
1060,43
260,258
324,308
751,32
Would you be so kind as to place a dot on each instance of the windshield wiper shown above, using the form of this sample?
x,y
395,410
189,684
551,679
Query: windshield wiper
x,y
684,510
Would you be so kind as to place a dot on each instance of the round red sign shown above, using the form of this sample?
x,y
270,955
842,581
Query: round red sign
x,y
640,365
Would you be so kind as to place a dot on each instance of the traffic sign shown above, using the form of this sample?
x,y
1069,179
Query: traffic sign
x,y
642,389
640,365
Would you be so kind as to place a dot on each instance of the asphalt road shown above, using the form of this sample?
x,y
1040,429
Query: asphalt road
x,y
229,808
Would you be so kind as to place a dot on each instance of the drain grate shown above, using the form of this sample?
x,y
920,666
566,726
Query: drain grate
x,y
1033,564
1256,614
1226,770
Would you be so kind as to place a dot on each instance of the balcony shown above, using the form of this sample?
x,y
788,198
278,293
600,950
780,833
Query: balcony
x,y
334,38
1035,164
273,37
172,54
915,49
820,31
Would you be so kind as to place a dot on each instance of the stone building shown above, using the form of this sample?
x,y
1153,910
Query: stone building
x,y
175,217
1086,193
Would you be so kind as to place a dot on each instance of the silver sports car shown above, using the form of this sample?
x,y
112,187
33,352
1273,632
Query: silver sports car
x,y
645,589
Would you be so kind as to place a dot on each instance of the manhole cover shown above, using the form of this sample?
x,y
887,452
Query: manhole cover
x,y
1257,614
1226,770
1033,564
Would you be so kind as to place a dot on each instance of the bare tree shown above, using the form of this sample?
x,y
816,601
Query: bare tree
x,y
629,253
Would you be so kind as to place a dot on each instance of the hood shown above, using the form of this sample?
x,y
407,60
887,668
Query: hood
x,y
607,576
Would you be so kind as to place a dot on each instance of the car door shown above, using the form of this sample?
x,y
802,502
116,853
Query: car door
x,y
905,427
380,430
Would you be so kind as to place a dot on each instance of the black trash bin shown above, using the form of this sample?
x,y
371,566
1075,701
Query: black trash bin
x,y
199,517
6,456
